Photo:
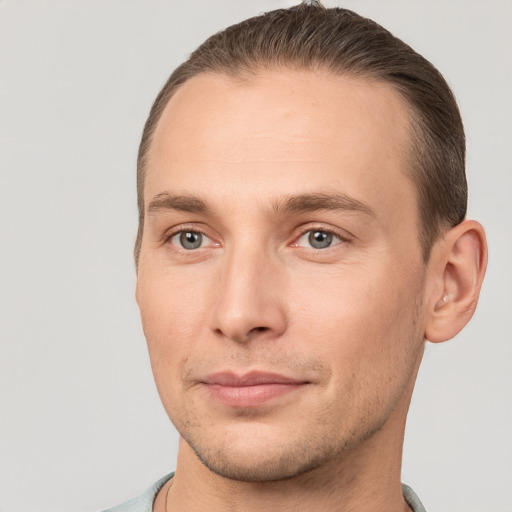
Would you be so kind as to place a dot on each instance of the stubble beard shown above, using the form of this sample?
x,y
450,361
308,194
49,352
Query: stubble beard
x,y
295,452
273,464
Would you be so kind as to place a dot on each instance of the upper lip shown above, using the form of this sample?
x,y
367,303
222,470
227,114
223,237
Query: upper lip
x,y
252,378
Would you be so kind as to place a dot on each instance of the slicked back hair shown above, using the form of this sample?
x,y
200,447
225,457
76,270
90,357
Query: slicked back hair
x,y
312,37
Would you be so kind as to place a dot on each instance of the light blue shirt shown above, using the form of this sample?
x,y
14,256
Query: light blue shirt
x,y
144,502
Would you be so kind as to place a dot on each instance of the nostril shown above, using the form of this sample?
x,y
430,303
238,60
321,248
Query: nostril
x,y
259,329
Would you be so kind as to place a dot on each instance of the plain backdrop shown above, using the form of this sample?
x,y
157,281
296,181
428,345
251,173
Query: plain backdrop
x,y
81,425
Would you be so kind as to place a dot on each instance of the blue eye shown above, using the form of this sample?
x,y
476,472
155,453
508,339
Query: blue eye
x,y
318,239
188,240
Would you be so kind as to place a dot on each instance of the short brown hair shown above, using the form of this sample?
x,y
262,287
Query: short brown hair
x,y
310,36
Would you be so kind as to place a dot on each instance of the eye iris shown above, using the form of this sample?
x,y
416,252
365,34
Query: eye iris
x,y
320,239
191,239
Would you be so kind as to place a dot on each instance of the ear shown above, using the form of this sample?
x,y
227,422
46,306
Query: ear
x,y
456,270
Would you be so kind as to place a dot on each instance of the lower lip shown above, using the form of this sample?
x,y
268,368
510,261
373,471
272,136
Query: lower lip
x,y
250,396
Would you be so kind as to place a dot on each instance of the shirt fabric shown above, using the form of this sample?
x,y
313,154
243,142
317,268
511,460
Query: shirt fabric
x,y
144,502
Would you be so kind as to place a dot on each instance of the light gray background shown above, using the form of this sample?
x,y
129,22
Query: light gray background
x,y
81,424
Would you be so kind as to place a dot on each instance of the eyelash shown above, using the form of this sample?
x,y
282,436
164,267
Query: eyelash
x,y
169,235
311,229
303,231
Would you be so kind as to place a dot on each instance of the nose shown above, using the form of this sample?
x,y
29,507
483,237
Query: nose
x,y
249,301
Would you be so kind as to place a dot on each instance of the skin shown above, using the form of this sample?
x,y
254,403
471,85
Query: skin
x,y
254,167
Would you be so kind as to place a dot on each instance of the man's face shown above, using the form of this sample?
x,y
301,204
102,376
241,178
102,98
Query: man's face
x,y
280,279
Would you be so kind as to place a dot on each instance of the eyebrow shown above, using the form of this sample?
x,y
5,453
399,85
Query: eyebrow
x,y
304,203
182,203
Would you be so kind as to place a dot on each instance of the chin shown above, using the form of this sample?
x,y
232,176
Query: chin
x,y
267,460
275,467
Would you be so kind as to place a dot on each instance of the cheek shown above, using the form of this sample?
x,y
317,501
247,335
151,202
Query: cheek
x,y
366,331
171,318
359,320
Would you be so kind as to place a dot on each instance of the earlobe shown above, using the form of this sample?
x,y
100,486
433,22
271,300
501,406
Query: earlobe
x,y
459,263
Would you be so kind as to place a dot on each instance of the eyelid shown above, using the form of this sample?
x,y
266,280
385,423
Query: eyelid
x,y
170,232
180,228
343,235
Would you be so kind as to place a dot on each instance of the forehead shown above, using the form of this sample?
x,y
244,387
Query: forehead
x,y
283,131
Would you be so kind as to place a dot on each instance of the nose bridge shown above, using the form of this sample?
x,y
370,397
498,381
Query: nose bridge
x,y
248,301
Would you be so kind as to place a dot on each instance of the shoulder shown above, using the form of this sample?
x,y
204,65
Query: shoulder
x,y
143,502
412,499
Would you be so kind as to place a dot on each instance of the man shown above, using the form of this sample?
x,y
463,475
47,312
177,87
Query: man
x,y
302,199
